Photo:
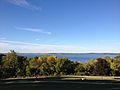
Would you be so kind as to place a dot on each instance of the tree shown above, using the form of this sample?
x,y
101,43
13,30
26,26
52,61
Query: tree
x,y
79,68
21,65
115,65
10,64
64,66
51,62
89,67
1,64
34,66
101,67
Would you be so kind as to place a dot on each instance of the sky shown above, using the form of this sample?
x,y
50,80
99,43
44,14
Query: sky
x,y
60,26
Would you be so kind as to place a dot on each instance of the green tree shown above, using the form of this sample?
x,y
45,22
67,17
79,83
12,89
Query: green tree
x,y
64,66
89,67
1,64
10,64
21,65
101,67
34,66
115,65
51,62
79,68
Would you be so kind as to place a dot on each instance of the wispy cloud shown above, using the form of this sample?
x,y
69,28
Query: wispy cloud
x,y
24,4
24,47
34,30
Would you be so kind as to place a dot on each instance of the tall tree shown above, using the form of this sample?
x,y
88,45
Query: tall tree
x,y
10,64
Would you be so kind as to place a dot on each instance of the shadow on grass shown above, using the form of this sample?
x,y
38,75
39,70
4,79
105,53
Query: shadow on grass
x,y
58,86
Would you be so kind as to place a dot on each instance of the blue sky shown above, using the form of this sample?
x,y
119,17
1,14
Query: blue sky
x,y
60,25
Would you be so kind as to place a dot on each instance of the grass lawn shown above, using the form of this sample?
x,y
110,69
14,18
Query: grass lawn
x,y
59,86
62,86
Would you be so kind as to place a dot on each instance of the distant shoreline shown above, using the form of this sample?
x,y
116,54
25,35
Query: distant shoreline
x,y
82,57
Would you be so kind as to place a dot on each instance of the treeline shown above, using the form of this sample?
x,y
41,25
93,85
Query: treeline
x,y
12,65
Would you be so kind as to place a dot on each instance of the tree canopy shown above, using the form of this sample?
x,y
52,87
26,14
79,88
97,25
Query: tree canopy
x,y
12,65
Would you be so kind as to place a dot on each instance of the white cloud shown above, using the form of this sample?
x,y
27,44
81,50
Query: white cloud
x,y
6,45
23,47
24,4
34,30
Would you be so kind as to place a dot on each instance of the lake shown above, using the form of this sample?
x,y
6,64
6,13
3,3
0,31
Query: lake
x,y
82,57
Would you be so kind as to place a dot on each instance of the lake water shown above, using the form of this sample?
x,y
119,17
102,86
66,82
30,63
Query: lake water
x,y
82,57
